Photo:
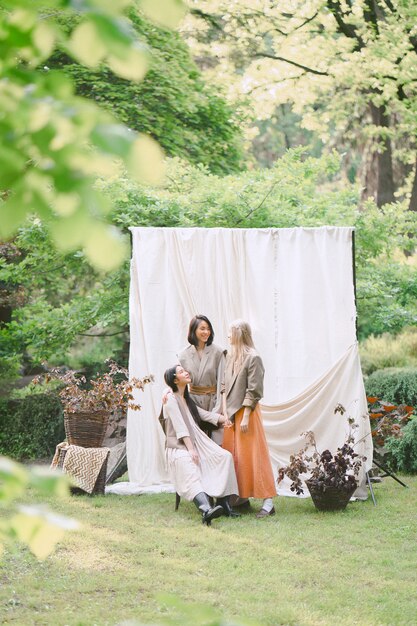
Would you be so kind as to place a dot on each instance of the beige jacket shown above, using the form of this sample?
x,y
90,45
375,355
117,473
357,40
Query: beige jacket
x,y
203,371
246,387
177,425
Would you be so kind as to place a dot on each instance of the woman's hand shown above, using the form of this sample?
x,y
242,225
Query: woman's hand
x,y
165,395
194,457
244,424
224,421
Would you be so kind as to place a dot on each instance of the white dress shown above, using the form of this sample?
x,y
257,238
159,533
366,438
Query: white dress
x,y
215,474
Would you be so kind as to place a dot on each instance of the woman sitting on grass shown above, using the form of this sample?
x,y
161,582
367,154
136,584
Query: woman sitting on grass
x,y
198,467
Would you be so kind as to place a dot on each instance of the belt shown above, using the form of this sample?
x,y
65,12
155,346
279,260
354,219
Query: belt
x,y
202,391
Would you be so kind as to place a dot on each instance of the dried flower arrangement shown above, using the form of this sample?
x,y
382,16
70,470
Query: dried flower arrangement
x,y
106,392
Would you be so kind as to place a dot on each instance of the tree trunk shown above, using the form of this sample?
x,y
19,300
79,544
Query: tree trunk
x,y
378,178
413,199
413,206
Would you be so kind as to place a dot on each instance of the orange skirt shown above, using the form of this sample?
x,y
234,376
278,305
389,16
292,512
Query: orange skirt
x,y
251,456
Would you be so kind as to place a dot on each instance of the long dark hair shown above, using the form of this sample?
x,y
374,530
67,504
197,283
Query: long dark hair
x,y
192,338
169,377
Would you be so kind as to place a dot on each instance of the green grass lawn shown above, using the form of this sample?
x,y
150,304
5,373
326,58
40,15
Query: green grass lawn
x,y
300,567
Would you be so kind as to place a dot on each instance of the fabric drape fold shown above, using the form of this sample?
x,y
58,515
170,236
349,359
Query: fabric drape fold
x,y
313,409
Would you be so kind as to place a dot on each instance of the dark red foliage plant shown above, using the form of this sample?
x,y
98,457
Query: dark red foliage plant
x,y
326,469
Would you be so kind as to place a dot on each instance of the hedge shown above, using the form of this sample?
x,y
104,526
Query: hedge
x,y
31,427
397,385
402,452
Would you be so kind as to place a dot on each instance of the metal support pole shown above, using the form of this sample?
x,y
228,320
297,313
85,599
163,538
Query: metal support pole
x,y
371,489
388,473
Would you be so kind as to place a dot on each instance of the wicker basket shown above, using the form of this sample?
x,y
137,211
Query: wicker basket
x,y
332,499
101,478
86,429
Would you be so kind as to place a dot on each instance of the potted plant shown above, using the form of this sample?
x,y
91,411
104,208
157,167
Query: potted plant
x,y
332,477
88,404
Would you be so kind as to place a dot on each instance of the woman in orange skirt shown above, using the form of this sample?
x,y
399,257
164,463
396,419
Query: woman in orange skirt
x,y
245,437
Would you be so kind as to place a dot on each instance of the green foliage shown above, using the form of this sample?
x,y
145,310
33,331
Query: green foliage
x,y
297,191
396,385
172,103
57,143
348,69
34,526
31,427
64,298
283,196
387,296
402,452
9,371
388,350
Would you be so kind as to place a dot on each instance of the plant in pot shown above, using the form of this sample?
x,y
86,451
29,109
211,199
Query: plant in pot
x,y
88,404
332,477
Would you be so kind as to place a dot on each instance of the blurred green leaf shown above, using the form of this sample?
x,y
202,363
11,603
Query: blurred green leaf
x,y
146,160
12,214
86,45
69,233
40,529
132,65
116,34
167,13
48,482
13,480
12,163
44,39
105,247
113,138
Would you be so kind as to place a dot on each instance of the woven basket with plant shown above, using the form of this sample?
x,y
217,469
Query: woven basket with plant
x,y
330,477
88,404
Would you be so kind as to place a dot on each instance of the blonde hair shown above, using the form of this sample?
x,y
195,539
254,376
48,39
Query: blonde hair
x,y
241,342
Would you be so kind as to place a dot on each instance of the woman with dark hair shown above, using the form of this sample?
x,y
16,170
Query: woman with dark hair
x,y
205,363
198,467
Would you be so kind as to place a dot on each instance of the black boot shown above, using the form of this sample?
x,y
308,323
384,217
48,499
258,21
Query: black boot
x,y
228,511
208,512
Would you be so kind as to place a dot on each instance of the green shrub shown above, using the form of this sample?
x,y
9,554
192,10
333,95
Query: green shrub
x,y
396,385
9,371
31,427
403,451
389,350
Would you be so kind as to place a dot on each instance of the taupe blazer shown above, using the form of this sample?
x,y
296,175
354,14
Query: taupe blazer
x,y
204,371
176,427
246,387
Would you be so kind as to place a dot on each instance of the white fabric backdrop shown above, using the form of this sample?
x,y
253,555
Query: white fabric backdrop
x,y
294,286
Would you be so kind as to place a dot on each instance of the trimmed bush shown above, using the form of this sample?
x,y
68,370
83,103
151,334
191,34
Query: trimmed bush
x,y
396,385
31,427
403,451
